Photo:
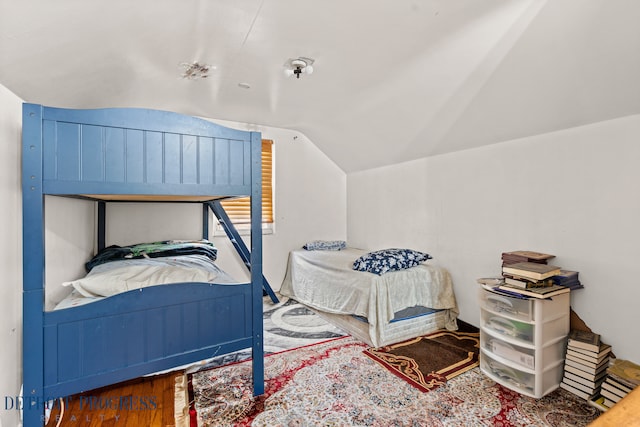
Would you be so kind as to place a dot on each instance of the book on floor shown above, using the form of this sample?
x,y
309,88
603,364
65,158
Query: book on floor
x,y
614,382
585,372
584,339
591,359
531,270
625,371
605,349
578,362
607,385
598,403
540,292
588,383
610,396
578,391
591,391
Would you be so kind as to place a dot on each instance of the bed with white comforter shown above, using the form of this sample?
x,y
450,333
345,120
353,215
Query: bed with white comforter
x,y
380,309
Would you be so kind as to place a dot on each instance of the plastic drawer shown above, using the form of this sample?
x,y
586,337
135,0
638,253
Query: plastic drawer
x,y
554,330
515,308
507,375
521,356
509,328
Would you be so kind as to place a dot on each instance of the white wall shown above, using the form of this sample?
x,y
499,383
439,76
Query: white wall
x,y
309,204
572,193
10,252
70,239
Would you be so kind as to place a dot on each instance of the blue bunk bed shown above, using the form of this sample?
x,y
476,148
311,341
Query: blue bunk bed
x,y
122,155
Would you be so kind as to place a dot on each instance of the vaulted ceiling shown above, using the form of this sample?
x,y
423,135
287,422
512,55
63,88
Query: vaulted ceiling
x,y
393,80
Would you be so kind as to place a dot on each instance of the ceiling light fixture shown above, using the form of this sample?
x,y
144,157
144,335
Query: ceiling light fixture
x,y
195,70
298,66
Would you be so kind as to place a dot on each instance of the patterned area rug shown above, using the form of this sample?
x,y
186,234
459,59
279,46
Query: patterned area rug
x,y
287,325
334,384
429,361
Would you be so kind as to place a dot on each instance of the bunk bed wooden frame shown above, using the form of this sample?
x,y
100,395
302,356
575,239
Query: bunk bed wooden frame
x,y
121,155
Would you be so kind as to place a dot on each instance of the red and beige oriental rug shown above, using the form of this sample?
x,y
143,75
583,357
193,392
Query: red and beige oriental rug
x,y
333,383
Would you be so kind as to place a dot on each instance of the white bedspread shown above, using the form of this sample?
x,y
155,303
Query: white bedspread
x,y
115,277
325,280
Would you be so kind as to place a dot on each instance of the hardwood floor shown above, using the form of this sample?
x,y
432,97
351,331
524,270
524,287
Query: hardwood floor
x,y
146,401
624,413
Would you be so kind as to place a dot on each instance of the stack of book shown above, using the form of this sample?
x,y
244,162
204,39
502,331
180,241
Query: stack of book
x,y
586,362
532,279
526,274
622,377
530,274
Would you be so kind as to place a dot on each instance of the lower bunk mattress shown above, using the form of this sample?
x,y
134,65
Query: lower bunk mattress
x,y
120,276
378,309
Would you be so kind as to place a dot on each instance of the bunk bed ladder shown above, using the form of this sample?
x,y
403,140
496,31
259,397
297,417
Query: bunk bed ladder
x,y
238,243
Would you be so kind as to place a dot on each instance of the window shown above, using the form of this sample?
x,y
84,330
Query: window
x,y
239,210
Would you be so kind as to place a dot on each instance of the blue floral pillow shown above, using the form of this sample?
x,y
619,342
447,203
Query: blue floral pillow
x,y
325,245
383,261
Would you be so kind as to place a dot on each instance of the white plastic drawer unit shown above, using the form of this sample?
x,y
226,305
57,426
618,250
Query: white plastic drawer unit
x,y
522,341
509,329
515,308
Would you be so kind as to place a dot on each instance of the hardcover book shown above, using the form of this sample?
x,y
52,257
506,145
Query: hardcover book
x,y
520,284
588,383
614,382
585,357
577,391
524,283
586,364
625,370
615,390
539,292
592,355
584,339
598,403
587,389
610,396
594,375
566,277
531,270
525,256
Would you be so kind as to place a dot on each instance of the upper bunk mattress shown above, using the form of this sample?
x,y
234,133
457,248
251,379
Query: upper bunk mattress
x,y
326,281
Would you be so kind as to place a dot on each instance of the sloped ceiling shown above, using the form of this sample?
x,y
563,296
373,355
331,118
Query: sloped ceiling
x,y
393,80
